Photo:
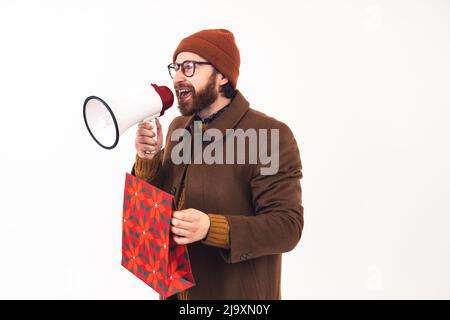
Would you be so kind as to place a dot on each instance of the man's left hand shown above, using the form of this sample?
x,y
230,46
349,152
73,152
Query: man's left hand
x,y
189,225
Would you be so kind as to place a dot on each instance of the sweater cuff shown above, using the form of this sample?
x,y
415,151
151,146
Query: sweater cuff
x,y
145,168
219,232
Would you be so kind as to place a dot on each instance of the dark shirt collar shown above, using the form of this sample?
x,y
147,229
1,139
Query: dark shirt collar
x,y
212,117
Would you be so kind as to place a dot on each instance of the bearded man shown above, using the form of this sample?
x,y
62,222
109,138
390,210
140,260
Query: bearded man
x,y
235,220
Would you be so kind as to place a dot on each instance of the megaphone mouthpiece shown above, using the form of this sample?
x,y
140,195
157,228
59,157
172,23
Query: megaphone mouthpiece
x,y
166,95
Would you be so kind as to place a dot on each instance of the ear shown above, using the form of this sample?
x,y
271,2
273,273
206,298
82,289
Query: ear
x,y
223,80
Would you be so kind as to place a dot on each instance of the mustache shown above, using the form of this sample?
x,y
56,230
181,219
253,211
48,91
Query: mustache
x,y
184,86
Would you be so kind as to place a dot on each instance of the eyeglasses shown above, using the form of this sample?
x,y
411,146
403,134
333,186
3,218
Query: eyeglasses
x,y
187,67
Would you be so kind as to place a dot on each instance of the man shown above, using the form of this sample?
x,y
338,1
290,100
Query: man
x,y
235,220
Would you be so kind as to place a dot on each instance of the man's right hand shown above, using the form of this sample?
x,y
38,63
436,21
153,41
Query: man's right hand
x,y
146,144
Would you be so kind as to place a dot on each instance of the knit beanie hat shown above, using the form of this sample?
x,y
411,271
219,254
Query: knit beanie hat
x,y
218,46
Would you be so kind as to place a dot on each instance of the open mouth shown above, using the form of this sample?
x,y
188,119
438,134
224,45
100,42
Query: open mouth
x,y
184,94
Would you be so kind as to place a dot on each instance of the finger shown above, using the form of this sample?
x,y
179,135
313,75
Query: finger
x,y
146,125
146,140
144,148
182,224
146,156
180,232
145,133
183,215
181,240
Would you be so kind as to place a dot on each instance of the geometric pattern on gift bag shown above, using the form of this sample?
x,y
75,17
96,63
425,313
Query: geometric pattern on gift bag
x,y
148,251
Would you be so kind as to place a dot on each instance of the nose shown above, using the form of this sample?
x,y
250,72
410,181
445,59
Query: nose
x,y
179,77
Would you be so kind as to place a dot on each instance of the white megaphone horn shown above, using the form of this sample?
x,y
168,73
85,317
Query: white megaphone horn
x,y
106,120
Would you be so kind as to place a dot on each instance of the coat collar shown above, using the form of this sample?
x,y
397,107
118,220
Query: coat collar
x,y
229,118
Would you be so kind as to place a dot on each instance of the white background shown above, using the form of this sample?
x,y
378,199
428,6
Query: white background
x,y
364,86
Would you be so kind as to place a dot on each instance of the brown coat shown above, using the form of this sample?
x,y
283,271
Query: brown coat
x,y
264,212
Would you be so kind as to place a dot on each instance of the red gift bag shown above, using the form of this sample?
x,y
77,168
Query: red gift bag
x,y
147,249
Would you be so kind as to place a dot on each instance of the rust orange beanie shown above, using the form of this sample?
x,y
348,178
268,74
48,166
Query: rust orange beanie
x,y
218,46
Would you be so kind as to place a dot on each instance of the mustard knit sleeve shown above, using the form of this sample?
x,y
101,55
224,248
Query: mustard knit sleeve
x,y
145,169
218,234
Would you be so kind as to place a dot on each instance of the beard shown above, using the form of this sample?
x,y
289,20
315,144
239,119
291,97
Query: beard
x,y
199,100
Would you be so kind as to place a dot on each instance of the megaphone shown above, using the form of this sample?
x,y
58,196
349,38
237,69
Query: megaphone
x,y
106,120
